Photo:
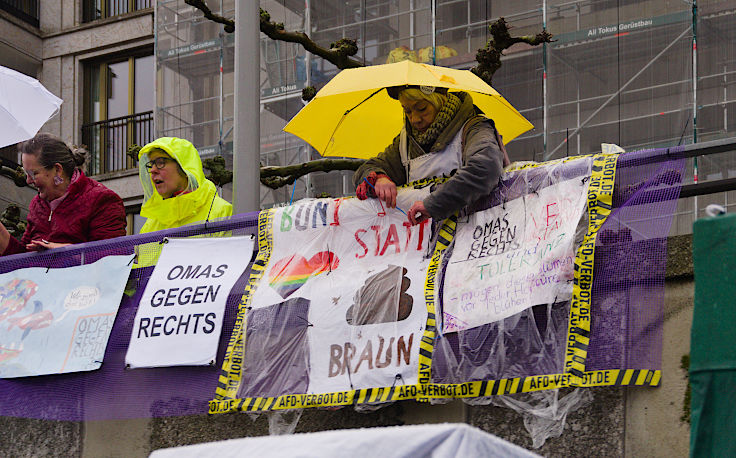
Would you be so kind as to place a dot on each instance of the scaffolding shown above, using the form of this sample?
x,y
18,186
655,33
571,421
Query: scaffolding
x,y
626,72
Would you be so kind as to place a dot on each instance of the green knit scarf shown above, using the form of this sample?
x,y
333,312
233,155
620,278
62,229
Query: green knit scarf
x,y
443,118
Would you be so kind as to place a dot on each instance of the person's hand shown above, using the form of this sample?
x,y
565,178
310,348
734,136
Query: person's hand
x,y
386,191
417,213
40,245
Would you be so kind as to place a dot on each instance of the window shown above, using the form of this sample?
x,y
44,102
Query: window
x,y
118,110
27,10
100,9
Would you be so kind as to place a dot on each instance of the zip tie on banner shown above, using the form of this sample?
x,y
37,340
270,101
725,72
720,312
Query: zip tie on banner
x,y
51,261
164,241
383,209
396,379
374,189
350,378
329,261
293,188
305,320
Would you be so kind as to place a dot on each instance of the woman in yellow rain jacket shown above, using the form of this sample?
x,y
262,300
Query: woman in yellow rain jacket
x,y
175,190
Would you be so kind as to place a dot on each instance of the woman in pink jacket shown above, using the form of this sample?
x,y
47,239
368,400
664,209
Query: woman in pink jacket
x,y
69,208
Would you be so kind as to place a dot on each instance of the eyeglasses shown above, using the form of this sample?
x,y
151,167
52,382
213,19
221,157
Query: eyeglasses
x,y
159,162
30,173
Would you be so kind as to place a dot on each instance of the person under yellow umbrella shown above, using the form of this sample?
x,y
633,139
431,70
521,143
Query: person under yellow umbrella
x,y
443,134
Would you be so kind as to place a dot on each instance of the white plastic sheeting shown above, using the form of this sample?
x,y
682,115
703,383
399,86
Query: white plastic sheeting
x,y
441,440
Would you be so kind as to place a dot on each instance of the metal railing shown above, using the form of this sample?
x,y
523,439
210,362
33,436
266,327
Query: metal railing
x,y
26,10
100,9
108,141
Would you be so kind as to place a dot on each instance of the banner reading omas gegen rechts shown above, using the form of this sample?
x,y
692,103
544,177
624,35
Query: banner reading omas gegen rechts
x,y
513,256
340,304
179,317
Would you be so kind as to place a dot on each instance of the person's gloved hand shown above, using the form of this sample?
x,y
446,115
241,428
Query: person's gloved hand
x,y
364,190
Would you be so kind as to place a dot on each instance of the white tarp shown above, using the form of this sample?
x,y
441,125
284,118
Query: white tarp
x,y
513,256
179,318
439,440
55,321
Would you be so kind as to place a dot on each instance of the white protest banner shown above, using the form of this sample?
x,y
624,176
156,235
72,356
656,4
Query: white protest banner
x,y
513,256
340,305
54,321
179,318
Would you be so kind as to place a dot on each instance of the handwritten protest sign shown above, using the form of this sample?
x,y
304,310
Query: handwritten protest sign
x,y
179,318
344,279
321,322
513,256
58,320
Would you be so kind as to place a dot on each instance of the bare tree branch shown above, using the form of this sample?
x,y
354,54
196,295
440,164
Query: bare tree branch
x,y
219,174
202,6
489,57
276,177
17,175
338,54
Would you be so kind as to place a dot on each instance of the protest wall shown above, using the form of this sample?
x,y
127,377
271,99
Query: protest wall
x,y
161,392
513,332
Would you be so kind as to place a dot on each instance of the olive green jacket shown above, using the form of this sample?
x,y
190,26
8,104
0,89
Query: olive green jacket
x,y
480,171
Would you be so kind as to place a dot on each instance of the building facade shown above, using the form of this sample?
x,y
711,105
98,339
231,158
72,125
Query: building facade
x,y
97,55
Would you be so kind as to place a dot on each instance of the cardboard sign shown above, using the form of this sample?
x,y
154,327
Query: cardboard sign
x,y
179,319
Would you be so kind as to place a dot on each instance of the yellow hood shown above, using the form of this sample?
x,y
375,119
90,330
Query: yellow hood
x,y
184,207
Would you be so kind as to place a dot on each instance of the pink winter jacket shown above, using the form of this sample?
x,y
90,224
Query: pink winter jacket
x,y
90,211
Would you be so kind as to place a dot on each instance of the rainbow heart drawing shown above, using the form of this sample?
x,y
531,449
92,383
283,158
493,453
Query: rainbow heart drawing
x,y
289,274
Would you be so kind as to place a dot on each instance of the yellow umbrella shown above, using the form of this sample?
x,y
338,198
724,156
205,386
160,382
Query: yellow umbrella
x,y
353,116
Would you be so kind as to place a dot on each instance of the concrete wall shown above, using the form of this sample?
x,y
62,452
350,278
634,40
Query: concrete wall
x,y
619,421
20,45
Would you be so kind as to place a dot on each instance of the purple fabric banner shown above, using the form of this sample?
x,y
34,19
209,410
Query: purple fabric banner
x,y
626,328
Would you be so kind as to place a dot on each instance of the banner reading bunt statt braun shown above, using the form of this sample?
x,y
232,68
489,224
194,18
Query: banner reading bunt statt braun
x,y
336,303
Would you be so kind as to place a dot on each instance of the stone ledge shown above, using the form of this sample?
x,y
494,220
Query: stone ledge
x,y
679,257
100,22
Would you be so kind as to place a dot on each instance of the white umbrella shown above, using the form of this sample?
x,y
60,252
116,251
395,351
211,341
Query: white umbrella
x,y
25,105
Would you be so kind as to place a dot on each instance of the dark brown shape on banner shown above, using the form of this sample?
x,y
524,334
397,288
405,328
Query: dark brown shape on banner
x,y
382,299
